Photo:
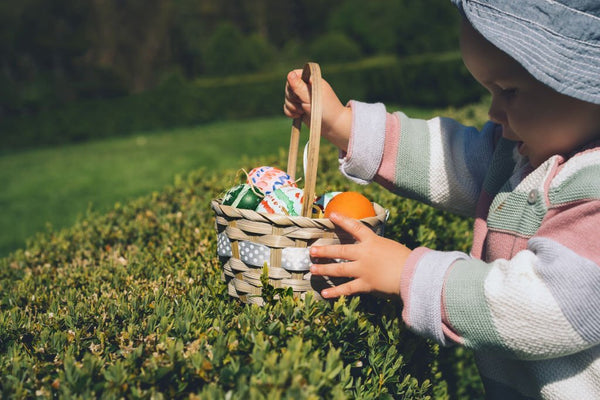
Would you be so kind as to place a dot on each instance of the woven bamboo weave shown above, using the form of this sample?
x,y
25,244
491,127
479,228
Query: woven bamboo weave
x,y
249,240
277,233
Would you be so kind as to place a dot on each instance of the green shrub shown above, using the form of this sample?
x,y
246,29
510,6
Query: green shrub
x,y
259,52
372,24
130,304
416,81
334,47
229,52
224,53
398,27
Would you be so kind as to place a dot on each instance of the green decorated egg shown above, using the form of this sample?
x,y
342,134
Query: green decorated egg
x,y
243,196
286,200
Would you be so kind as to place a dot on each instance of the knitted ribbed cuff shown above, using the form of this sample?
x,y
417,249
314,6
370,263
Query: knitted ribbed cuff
x,y
422,285
366,143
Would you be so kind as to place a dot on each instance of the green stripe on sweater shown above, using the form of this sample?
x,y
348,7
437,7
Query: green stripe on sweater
x,y
501,168
466,304
512,211
582,185
412,167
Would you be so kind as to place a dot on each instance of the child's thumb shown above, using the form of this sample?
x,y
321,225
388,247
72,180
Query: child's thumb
x,y
298,86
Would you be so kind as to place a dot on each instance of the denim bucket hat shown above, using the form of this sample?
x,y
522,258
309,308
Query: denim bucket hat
x,y
557,41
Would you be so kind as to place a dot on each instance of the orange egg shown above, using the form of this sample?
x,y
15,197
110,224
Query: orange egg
x,y
350,204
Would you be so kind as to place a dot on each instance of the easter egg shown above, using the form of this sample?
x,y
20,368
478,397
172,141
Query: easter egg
x,y
243,196
318,208
317,212
350,204
286,200
268,179
323,200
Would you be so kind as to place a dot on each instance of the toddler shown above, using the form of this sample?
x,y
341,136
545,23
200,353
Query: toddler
x,y
527,297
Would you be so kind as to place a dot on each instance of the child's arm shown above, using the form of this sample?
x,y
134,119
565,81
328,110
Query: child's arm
x,y
439,162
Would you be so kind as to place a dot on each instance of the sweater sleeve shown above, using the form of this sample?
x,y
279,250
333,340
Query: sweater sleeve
x,y
542,303
439,162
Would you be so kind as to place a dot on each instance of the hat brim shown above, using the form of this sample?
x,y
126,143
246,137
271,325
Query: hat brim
x,y
559,54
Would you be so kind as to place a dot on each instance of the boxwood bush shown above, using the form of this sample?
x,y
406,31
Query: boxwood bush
x,y
131,304
434,80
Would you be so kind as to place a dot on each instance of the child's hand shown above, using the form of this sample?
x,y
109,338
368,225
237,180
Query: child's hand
x,y
337,119
375,262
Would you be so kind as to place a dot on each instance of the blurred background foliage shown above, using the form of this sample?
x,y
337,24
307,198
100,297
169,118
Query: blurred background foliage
x,y
54,51
125,65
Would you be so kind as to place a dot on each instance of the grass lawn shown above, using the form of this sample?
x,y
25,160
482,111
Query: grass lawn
x,y
55,186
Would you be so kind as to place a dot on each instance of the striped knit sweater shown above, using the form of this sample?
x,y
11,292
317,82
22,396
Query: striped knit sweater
x,y
527,298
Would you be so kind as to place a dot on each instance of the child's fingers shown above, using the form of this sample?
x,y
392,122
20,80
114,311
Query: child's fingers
x,y
342,269
298,86
292,110
334,251
294,105
290,94
357,229
354,286
297,98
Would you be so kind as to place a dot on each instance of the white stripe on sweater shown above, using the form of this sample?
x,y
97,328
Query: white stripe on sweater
x,y
454,184
525,312
574,165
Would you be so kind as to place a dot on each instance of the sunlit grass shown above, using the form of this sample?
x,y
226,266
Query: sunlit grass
x,y
56,185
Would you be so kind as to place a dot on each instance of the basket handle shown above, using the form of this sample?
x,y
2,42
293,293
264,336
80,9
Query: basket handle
x,y
316,111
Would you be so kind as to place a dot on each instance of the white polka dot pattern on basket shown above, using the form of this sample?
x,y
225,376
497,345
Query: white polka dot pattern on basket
x,y
254,254
223,245
295,259
292,258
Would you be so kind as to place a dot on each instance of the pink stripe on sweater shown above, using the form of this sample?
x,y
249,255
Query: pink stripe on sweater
x,y
480,226
576,227
505,245
387,170
450,334
408,272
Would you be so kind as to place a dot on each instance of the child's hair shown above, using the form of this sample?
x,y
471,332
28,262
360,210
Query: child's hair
x,y
556,41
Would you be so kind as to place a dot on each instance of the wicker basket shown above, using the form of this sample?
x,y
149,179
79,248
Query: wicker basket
x,y
247,240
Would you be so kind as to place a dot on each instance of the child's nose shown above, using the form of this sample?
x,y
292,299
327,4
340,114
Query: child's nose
x,y
496,111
